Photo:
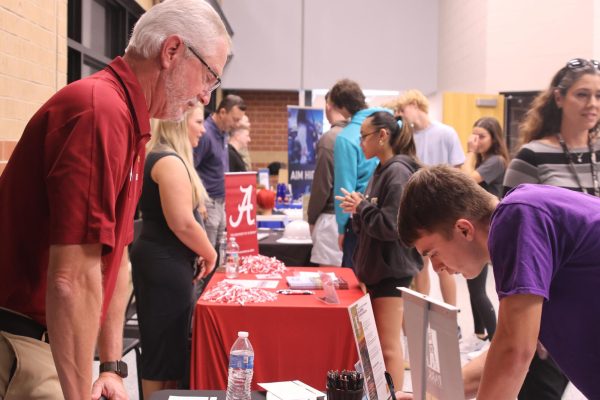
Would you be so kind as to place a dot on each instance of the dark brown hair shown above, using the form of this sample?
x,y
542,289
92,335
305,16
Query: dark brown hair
x,y
230,101
498,147
435,198
348,94
544,117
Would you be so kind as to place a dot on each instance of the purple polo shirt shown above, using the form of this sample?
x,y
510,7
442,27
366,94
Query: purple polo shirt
x,y
211,159
545,241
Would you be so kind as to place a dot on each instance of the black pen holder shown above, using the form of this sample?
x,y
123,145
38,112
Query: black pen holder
x,y
344,394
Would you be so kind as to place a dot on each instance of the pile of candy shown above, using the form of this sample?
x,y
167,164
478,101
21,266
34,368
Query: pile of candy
x,y
225,292
261,265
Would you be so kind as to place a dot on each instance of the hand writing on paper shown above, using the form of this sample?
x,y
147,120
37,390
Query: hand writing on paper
x,y
350,201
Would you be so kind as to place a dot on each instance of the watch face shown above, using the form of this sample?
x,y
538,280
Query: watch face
x,y
122,369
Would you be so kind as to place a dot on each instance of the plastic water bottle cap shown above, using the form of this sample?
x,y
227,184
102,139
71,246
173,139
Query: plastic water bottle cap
x,y
242,334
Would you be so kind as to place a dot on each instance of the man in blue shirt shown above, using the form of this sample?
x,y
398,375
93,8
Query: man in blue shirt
x,y
211,159
352,170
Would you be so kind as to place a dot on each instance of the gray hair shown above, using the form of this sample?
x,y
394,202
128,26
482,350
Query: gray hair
x,y
194,20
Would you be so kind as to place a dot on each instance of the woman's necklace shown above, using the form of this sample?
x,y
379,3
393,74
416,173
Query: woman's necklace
x,y
579,156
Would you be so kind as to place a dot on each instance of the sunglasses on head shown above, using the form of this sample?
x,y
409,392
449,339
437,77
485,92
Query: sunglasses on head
x,y
578,63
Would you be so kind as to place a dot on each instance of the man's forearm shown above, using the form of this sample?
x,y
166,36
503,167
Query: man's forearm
x,y
513,347
73,306
110,340
504,372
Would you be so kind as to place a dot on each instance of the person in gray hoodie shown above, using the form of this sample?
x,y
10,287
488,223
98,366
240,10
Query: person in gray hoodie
x,y
381,262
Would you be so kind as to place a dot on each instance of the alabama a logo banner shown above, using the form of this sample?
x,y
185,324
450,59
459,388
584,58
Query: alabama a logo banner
x,y
240,210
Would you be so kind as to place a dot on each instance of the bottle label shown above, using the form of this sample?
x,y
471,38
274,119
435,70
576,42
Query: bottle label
x,y
233,258
241,361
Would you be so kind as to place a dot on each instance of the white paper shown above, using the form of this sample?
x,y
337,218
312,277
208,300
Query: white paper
x,y
253,283
268,276
294,241
191,398
262,235
308,274
291,390
369,348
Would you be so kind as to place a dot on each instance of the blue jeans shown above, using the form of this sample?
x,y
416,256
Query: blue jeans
x,y
349,245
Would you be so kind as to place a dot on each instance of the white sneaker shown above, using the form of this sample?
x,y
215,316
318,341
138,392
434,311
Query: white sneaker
x,y
472,344
475,354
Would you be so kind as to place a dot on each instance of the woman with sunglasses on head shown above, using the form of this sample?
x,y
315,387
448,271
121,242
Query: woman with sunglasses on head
x,y
381,262
172,251
560,148
560,133
485,162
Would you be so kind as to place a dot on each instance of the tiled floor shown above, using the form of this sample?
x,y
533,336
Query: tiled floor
x,y
465,320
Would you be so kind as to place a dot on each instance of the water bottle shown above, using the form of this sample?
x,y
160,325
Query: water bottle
x,y
241,364
222,249
232,257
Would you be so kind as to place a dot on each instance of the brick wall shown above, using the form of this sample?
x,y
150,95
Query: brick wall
x,y
267,111
33,63
6,149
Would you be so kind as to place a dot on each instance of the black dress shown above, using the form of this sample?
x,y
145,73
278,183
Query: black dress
x,y
162,272
236,162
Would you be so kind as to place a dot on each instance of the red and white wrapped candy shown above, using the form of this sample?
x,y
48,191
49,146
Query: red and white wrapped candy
x,y
261,265
226,292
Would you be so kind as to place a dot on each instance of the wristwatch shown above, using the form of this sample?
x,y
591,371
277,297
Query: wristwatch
x,y
117,367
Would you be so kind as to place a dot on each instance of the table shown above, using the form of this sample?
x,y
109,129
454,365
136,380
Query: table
x,y
289,254
295,337
219,394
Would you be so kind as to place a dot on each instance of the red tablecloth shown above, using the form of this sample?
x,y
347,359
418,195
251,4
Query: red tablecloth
x,y
295,337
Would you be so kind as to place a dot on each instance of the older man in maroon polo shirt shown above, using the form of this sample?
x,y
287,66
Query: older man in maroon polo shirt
x,y
67,198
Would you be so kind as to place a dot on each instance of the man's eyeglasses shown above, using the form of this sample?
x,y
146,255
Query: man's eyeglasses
x,y
366,135
216,76
579,63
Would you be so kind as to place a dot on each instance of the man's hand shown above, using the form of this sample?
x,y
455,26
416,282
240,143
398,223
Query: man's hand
x,y
400,395
109,385
203,212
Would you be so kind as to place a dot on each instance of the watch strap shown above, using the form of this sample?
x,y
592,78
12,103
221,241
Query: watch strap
x,y
118,367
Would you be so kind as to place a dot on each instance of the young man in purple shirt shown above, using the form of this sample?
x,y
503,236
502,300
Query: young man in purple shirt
x,y
543,244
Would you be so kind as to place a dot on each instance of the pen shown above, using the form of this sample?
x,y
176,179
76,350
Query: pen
x,y
390,383
294,291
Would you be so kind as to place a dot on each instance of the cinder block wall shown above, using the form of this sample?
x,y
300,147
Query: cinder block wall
x,y
33,63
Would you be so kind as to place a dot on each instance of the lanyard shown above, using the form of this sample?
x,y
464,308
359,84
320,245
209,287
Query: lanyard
x,y
574,170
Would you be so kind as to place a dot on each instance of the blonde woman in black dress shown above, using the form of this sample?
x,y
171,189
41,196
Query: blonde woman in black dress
x,y
165,257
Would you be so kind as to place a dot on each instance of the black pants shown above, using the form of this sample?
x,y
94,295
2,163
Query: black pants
x,y
543,381
349,245
484,315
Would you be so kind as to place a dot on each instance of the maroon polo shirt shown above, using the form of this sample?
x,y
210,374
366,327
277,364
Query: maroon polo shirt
x,y
74,177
